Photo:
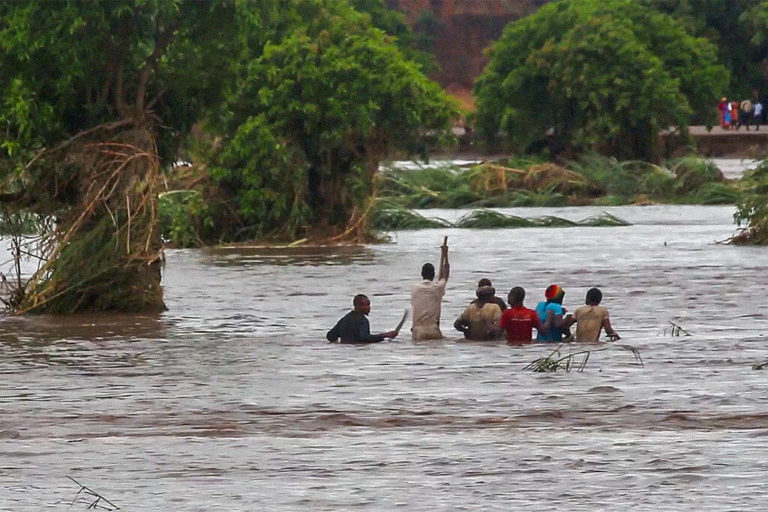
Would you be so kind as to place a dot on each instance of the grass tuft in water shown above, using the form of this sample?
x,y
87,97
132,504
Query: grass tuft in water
x,y
603,219
574,360
484,219
389,217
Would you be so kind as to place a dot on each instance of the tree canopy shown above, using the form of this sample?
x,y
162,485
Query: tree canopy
x,y
313,115
599,75
737,28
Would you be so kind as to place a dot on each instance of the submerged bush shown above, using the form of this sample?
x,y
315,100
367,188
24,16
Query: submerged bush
x,y
693,172
592,179
718,193
752,208
183,217
447,187
491,219
388,217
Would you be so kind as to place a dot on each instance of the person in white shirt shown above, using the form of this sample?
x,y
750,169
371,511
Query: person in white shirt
x,y
757,114
427,298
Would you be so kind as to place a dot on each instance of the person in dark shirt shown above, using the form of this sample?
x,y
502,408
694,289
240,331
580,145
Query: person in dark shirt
x,y
484,282
354,327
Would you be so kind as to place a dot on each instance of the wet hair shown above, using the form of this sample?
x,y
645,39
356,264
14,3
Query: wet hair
x,y
428,271
359,299
594,296
516,295
484,282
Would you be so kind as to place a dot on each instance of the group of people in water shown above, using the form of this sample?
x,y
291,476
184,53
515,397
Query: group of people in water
x,y
487,317
734,114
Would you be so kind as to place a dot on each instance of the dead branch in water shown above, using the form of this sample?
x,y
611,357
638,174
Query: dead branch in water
x,y
574,360
99,500
675,330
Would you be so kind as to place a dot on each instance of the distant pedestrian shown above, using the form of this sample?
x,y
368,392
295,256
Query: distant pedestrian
x,y
735,114
724,113
757,114
745,114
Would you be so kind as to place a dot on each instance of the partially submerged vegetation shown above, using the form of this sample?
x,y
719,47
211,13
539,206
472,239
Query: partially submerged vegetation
x,y
390,217
591,180
752,208
576,360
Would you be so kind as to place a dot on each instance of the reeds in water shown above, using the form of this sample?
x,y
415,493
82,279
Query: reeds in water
x,y
390,216
393,217
555,361
675,330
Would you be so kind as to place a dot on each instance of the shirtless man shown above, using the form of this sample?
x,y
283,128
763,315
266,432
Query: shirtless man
x,y
427,298
354,327
592,318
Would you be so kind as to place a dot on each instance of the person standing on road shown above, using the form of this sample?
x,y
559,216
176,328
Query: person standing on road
x,y
757,114
745,114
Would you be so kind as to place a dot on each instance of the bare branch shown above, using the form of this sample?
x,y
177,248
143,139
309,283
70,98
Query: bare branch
x,y
163,40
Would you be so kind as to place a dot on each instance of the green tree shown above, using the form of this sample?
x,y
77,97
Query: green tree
x,y
602,75
735,27
311,118
94,93
393,23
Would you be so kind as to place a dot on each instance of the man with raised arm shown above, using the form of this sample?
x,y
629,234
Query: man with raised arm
x,y
354,327
427,298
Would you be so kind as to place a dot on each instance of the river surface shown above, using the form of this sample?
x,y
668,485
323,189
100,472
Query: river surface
x,y
232,400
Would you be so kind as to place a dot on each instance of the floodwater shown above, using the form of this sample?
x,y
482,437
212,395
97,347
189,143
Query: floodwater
x,y
232,400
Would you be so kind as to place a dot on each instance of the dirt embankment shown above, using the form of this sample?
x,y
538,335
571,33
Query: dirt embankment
x,y
461,30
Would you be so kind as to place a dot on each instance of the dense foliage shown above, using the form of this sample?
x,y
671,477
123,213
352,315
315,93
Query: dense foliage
x,y
311,118
599,75
737,27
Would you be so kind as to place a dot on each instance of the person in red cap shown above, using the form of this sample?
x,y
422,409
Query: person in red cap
x,y
551,315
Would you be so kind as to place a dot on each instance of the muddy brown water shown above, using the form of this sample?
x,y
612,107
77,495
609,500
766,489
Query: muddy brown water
x,y
232,400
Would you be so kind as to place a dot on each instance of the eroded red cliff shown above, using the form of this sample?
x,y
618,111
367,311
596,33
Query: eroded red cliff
x,y
461,30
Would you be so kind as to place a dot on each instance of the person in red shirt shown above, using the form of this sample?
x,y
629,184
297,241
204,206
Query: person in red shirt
x,y
518,321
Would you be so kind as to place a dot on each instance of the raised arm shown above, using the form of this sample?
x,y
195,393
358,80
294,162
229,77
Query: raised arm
x,y
445,267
